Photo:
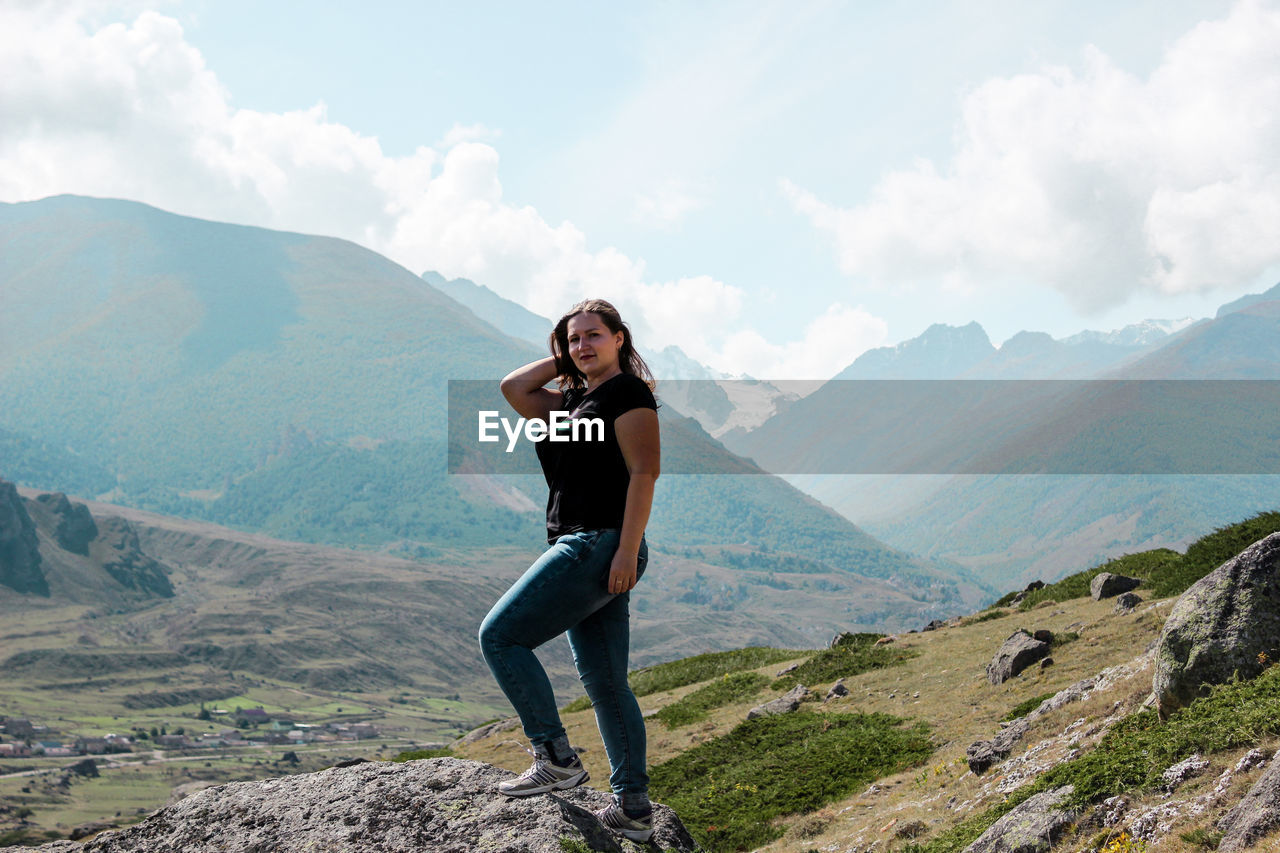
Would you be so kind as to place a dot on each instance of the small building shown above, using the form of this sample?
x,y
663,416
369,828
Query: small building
x,y
364,731
254,716
19,728
14,750
172,741
92,745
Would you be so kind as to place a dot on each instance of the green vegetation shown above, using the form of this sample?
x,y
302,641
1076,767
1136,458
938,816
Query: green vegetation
x,y
418,754
729,790
1165,573
1134,754
1024,708
678,673
857,653
728,688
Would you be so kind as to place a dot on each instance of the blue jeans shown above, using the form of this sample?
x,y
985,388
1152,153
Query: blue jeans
x,y
566,589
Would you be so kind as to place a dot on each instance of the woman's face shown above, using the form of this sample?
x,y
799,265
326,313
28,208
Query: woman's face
x,y
593,348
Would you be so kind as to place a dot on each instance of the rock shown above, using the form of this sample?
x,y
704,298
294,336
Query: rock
x,y
490,729
1016,654
934,625
85,830
1227,622
73,527
884,641
1106,585
132,568
837,690
1045,663
1188,768
1126,601
1032,827
984,753
1043,635
786,670
20,563
445,805
784,704
1257,815
1034,585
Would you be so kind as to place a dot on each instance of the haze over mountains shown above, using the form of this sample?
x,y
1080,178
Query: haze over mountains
x,y
295,386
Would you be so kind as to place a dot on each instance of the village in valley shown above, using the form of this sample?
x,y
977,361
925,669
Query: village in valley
x,y
244,727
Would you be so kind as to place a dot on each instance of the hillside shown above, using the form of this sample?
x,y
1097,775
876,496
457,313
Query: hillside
x,y
296,386
923,699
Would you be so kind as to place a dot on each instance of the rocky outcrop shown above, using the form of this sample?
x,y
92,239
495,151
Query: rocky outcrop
x,y
1107,585
784,704
20,568
1032,827
1018,652
1126,601
128,564
73,525
445,805
1256,816
1228,622
984,753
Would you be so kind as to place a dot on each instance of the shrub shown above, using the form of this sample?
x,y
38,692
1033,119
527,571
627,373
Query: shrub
x,y
728,688
678,673
729,790
861,654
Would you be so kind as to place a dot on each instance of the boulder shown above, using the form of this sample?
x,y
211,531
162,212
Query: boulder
x,y
1033,827
1107,585
1016,654
1256,816
934,625
1126,601
445,805
1044,635
784,704
837,690
488,729
985,753
20,563
1227,622
73,526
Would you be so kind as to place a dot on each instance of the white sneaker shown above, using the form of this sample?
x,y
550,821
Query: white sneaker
x,y
636,828
545,776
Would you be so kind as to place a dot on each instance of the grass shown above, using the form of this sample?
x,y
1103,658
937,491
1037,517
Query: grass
x,y
679,673
1134,754
1165,573
731,687
418,754
1024,708
858,654
729,790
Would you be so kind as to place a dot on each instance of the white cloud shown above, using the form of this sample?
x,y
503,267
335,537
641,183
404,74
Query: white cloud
x,y
132,111
1093,181
666,205
460,133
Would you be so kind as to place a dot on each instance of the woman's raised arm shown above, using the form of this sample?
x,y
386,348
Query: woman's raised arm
x,y
523,389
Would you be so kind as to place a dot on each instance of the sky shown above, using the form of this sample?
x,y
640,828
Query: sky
x,y
773,187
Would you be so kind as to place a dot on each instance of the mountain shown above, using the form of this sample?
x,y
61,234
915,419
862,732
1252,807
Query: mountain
x,y
298,386
511,318
1010,529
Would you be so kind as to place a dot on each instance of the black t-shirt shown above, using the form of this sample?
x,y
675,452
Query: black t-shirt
x,y
588,477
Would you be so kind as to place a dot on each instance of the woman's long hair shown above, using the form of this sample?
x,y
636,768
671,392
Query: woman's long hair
x,y
569,376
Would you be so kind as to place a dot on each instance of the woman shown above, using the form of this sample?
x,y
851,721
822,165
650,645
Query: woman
x,y
600,495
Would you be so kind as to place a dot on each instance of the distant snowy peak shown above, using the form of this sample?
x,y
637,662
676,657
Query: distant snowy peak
x,y
1134,335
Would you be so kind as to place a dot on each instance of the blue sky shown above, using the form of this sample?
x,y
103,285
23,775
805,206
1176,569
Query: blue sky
x,y
773,187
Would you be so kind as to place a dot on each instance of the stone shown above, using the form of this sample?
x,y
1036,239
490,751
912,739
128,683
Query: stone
x,y
1045,663
1043,635
1227,622
1107,585
984,753
1184,770
884,641
837,690
785,704
1126,601
1255,816
445,805
490,729
128,564
934,625
787,670
1016,654
1034,585
1033,827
